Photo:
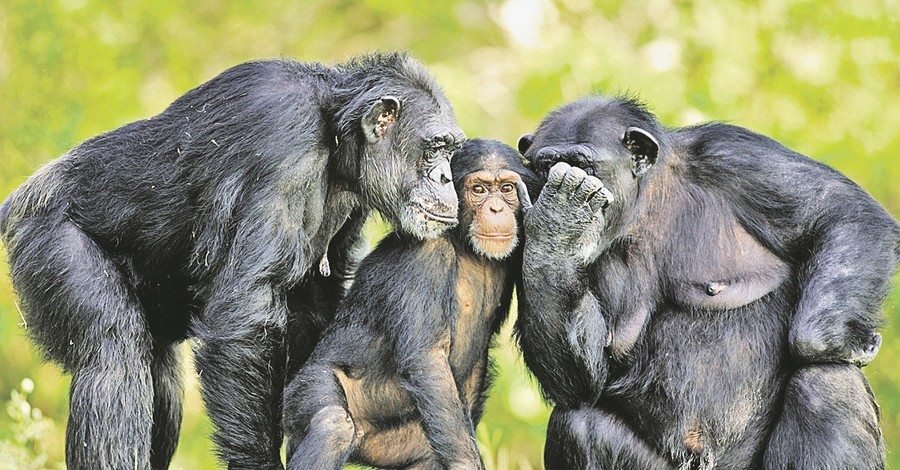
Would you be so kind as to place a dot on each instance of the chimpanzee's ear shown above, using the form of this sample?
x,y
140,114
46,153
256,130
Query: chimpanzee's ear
x,y
643,148
380,117
525,142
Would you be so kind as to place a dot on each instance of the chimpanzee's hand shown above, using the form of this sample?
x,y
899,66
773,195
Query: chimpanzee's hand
x,y
866,351
567,219
835,343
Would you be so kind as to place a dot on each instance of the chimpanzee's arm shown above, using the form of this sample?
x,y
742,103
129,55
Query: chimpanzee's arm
x,y
422,290
428,378
561,327
841,243
853,244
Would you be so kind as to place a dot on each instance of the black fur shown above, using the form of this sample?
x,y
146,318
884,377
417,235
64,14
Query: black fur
x,y
699,297
400,377
210,221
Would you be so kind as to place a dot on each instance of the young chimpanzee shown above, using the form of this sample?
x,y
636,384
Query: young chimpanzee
x,y
699,297
219,219
399,378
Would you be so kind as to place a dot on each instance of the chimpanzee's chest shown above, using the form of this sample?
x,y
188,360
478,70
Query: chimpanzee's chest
x,y
716,264
310,206
337,210
479,294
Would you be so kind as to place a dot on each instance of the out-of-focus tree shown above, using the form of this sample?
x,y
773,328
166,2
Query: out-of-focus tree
x,y
820,76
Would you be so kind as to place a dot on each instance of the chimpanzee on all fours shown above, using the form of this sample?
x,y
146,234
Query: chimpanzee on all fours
x,y
399,378
213,220
699,297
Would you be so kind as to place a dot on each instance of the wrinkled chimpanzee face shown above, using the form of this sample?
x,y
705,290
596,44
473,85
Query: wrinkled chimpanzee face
x,y
410,138
488,177
612,140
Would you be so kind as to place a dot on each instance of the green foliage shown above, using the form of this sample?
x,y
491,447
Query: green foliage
x,y
819,76
23,445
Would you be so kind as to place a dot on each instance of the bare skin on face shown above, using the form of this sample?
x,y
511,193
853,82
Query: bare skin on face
x,y
492,196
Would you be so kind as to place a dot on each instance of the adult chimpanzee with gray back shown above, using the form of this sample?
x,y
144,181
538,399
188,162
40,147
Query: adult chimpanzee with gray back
x,y
399,378
699,297
219,219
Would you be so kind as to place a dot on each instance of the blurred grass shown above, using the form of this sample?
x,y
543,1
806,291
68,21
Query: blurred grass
x,y
819,76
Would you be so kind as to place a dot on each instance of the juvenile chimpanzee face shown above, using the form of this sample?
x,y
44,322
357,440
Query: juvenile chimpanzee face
x,y
489,177
612,140
406,168
490,200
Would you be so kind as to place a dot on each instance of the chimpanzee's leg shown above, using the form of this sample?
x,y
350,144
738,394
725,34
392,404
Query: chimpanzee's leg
x,y
241,362
168,394
81,310
830,420
592,438
317,421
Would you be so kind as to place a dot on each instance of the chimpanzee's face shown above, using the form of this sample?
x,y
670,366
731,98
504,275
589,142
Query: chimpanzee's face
x,y
492,184
410,139
489,203
601,137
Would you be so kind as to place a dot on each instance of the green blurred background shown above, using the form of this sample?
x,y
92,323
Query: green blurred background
x,y
821,77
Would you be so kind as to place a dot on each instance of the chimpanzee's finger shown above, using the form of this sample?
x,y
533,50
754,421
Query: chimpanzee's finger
x,y
601,199
524,198
571,182
588,187
555,178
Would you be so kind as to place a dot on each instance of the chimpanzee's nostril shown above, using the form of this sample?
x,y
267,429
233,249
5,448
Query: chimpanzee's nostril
x,y
441,173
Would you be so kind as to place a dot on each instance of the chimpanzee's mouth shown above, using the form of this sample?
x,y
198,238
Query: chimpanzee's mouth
x,y
495,236
448,218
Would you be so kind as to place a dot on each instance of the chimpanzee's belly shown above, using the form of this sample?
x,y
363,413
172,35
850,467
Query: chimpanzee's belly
x,y
705,384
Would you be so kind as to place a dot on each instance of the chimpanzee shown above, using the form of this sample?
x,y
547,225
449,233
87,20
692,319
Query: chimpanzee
x,y
399,378
699,297
219,219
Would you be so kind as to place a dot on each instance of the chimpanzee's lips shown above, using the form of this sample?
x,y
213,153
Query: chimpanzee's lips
x,y
449,218
495,236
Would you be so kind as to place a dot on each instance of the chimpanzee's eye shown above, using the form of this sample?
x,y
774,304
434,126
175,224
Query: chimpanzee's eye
x,y
507,188
479,189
